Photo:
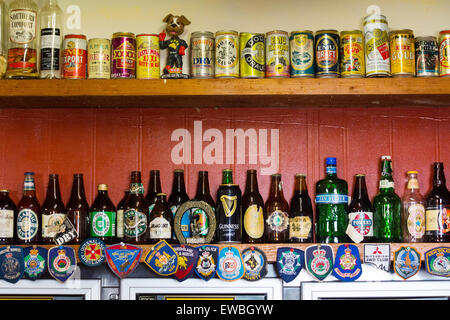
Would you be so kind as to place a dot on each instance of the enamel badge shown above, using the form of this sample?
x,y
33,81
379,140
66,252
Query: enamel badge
x,y
92,252
319,261
255,264
207,262
289,263
406,262
11,263
437,261
347,265
123,258
162,259
187,258
35,262
61,262
379,255
230,266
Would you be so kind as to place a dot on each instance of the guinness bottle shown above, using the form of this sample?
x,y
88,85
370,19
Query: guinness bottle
x,y
78,209
300,213
277,216
53,210
103,216
136,212
161,220
253,208
29,213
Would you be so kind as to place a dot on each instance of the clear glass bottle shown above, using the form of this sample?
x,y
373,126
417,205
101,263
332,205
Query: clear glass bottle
x,y
3,28
413,211
51,33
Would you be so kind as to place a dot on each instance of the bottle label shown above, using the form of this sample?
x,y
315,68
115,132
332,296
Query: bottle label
x,y
331,170
385,184
160,229
254,221
413,184
437,220
119,230
416,220
136,188
27,224
135,223
6,223
51,224
278,221
103,223
362,222
300,227
50,49
22,26
331,198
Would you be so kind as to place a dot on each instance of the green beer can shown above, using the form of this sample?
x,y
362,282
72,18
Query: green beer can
x,y
253,55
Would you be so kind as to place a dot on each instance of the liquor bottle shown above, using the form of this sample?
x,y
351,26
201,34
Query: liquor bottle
x,y
8,216
135,212
3,29
387,207
276,228
437,208
51,39
78,209
413,211
23,39
29,210
360,215
202,194
161,220
300,213
331,206
53,211
120,207
154,188
178,195
253,209
102,216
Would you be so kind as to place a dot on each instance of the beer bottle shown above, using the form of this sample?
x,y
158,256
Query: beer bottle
x,y
301,213
102,216
153,189
276,227
120,206
413,211
360,216
387,207
8,216
29,210
178,195
331,206
136,212
437,208
161,220
53,210
253,208
78,209
203,194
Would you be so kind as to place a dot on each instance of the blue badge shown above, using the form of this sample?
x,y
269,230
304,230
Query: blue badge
x,y
437,261
406,262
289,263
230,266
347,265
61,262
35,261
187,258
123,258
319,260
162,259
255,264
11,263
92,252
207,262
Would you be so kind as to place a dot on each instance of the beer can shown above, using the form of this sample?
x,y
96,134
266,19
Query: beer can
x,y
202,55
147,56
277,54
123,47
444,50
302,54
427,57
376,40
99,59
252,55
227,54
402,53
327,53
352,54
74,56
229,214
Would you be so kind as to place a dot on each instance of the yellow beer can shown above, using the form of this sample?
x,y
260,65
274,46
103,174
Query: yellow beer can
x,y
402,53
352,54
148,58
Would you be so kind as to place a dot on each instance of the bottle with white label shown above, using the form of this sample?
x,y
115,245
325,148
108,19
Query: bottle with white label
x,y
28,222
360,215
161,220
53,211
51,39
3,28
8,216
413,211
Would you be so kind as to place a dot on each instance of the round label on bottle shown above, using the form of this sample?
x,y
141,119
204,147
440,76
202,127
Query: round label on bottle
x,y
6,223
300,227
278,221
362,222
160,229
27,224
103,224
254,221
416,220
135,223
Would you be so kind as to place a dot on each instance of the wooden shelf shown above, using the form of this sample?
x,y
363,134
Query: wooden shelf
x,y
226,93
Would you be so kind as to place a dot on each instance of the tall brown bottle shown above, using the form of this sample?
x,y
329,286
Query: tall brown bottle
x,y
203,192
253,208
53,210
277,217
102,216
178,195
136,212
8,216
161,221
301,213
78,209
28,226
154,187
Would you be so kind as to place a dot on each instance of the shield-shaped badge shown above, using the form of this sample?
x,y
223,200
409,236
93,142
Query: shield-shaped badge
x,y
379,255
347,265
123,258
207,262
230,266
35,261
255,264
437,261
92,252
289,263
11,264
162,259
61,262
187,258
406,262
319,261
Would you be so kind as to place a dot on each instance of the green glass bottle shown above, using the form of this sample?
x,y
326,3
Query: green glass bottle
x,y
387,207
227,176
332,206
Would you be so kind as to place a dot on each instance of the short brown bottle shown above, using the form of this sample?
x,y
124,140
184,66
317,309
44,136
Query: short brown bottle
x,y
276,210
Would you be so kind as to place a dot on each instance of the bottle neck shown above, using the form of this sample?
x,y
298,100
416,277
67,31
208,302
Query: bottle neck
x,y
53,191
300,185
136,186
203,183
331,170
251,185
360,191
386,179
155,183
29,189
276,188
227,177
439,176
178,183
52,3
77,188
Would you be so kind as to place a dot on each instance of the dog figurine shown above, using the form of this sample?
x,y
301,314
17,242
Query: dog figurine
x,y
176,46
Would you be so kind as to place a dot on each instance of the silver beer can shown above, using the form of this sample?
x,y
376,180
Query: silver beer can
x,y
202,55
376,37
227,54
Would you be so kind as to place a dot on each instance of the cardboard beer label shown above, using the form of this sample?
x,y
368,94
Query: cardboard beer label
x,y
347,265
92,252
290,262
65,233
207,262
11,264
123,258
437,261
319,261
187,258
255,264
35,262
162,259
230,265
379,255
61,262
406,262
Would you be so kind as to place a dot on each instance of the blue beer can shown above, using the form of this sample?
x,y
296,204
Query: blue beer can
x,y
302,54
327,53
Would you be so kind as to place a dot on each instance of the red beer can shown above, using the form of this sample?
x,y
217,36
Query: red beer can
x,y
74,57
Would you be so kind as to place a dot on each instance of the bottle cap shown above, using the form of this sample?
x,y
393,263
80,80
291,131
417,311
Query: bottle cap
x,y
29,173
385,157
412,172
102,187
4,191
300,175
331,161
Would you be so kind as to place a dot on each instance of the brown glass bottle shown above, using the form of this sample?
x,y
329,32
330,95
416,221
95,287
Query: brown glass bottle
x,y
53,211
8,217
178,195
203,192
78,209
253,208
28,223
136,212
120,207
154,187
300,213
102,216
161,220
276,210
